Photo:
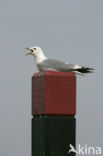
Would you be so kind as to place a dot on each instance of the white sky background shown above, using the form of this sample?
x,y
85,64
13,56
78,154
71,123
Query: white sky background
x,y
68,30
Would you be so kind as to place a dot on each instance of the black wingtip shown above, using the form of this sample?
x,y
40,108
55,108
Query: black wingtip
x,y
85,70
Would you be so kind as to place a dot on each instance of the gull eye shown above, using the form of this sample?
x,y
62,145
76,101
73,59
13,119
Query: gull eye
x,y
34,48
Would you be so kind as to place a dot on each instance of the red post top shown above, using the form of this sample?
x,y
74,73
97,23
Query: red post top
x,y
54,93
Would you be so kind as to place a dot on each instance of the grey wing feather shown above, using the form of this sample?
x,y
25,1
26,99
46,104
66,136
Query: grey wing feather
x,y
55,64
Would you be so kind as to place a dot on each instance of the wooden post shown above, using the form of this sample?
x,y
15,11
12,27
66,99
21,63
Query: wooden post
x,y
53,110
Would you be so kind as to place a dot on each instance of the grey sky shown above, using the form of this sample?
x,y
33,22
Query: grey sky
x,y
68,30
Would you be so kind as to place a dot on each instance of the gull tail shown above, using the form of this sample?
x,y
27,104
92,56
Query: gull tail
x,y
83,70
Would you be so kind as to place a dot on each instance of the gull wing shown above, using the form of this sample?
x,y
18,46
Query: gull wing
x,y
56,65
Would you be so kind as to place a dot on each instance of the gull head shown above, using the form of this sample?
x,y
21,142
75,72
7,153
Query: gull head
x,y
35,51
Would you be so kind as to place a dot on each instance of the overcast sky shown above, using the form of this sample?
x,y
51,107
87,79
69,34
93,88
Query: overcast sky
x,y
68,30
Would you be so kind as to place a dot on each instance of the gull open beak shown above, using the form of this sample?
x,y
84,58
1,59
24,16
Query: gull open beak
x,y
29,52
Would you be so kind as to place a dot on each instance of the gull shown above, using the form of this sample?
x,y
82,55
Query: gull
x,y
44,63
